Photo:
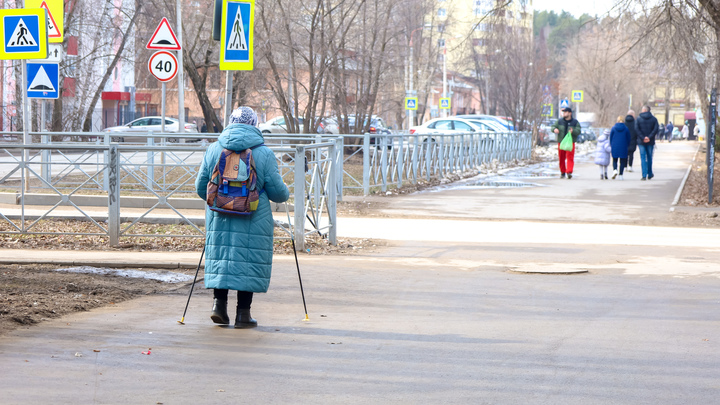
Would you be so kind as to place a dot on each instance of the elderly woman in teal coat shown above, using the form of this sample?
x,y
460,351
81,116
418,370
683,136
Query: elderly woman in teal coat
x,y
239,249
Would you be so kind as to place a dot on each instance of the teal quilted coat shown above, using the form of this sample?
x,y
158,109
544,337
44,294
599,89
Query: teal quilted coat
x,y
239,249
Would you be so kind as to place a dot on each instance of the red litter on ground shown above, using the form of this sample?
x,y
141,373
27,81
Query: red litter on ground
x,y
147,352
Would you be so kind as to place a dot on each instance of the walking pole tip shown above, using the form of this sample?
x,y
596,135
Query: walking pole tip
x,y
306,318
182,321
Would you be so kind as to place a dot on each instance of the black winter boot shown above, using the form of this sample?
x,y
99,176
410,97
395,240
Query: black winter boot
x,y
219,312
243,320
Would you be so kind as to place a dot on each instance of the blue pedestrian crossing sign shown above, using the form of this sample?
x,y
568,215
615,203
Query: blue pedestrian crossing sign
x,y
236,34
577,96
445,103
564,104
43,80
24,34
547,110
411,103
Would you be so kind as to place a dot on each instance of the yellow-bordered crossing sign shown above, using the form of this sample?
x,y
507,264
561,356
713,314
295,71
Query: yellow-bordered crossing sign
x,y
411,103
24,33
236,35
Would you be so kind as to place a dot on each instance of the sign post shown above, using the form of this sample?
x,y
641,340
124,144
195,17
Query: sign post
x,y
577,98
236,43
710,139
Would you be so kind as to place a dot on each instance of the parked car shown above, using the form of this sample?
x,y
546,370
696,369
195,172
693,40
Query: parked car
x,y
506,124
278,125
587,132
486,124
143,126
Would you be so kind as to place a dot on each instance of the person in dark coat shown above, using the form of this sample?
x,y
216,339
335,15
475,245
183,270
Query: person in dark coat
x,y
619,144
668,131
661,131
646,126
630,124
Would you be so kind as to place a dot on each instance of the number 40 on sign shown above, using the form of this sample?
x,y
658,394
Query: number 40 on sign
x,y
163,65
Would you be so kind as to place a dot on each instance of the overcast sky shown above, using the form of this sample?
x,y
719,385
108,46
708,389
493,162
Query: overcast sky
x,y
575,7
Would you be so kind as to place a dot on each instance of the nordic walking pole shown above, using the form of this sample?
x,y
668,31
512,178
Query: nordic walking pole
x,y
182,320
292,238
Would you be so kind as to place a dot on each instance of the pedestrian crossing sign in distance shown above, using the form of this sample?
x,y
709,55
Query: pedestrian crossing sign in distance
x,y
411,103
445,103
236,35
24,34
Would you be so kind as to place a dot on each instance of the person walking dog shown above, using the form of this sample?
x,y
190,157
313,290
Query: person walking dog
x,y
646,126
566,124
239,248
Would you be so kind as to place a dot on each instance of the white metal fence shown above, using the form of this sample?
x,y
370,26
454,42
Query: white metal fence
x,y
140,183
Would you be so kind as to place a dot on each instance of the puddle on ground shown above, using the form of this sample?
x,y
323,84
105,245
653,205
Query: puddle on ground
x,y
500,183
163,276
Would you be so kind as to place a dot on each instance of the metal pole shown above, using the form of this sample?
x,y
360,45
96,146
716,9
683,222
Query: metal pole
x,y
162,107
411,113
445,76
181,75
114,196
26,125
46,171
299,189
335,150
366,164
228,96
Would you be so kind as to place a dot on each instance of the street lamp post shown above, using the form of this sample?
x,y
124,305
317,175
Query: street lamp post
x,y
409,92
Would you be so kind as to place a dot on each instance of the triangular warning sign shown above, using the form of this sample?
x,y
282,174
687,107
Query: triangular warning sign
x,y
164,38
21,36
53,31
237,35
41,82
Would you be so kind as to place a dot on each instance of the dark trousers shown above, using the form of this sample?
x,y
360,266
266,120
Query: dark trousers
x,y
623,163
631,154
244,297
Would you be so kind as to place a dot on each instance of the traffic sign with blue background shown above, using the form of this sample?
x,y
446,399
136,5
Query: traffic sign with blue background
x,y
236,47
43,80
445,103
564,104
577,96
411,103
547,110
24,34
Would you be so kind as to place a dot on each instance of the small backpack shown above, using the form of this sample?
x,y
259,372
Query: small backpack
x,y
232,188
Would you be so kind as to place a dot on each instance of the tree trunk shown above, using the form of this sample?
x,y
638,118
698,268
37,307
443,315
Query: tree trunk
x,y
201,93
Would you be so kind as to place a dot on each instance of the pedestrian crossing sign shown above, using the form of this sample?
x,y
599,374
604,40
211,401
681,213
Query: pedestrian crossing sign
x,y
43,80
55,17
547,110
236,33
564,104
445,103
577,96
24,34
411,103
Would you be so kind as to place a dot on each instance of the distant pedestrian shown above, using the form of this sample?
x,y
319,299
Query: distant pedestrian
x,y
696,131
685,131
630,124
566,124
619,143
646,126
661,131
239,249
602,153
668,131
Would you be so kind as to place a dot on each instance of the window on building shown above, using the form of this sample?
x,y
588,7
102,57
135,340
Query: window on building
x,y
442,12
441,42
441,27
678,93
509,14
478,42
482,27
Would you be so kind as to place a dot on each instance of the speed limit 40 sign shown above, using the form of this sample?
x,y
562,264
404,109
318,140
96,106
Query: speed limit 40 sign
x,y
163,65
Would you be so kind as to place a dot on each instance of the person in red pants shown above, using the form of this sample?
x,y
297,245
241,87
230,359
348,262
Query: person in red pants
x,y
566,124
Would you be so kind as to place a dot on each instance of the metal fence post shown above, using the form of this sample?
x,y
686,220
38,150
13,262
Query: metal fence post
x,y
429,144
106,156
335,150
113,176
383,163
299,188
151,161
400,161
340,165
415,157
366,164
46,156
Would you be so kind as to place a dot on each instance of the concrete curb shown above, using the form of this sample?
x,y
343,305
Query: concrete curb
x,y
680,189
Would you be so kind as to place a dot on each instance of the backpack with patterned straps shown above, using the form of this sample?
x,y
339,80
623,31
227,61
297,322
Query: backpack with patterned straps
x,y
232,188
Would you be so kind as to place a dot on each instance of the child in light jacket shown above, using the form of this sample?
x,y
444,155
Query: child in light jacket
x,y
602,154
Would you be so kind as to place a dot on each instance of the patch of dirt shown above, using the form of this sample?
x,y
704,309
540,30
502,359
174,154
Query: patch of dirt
x,y
57,237
695,193
32,294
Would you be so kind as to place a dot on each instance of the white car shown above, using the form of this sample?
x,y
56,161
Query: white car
x,y
449,126
277,125
145,124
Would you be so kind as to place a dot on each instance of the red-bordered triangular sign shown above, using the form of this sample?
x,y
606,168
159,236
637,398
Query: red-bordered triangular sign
x,y
53,31
164,38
